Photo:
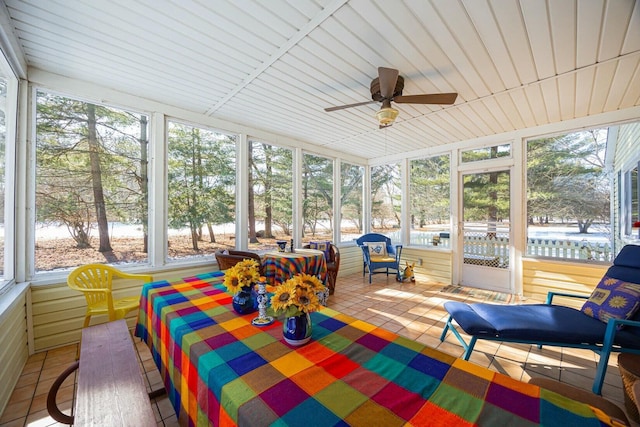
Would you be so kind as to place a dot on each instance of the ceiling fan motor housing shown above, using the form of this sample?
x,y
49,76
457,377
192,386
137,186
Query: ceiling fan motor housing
x,y
375,89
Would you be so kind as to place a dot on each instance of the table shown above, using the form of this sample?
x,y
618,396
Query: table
x,y
219,369
280,266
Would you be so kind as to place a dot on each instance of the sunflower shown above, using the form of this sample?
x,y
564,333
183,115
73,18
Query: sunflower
x,y
306,301
296,296
243,274
283,296
312,282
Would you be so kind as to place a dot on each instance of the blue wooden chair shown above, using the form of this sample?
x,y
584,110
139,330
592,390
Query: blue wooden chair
x,y
378,253
556,325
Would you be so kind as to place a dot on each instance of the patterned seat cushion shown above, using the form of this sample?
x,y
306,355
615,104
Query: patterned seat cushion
x,y
613,298
377,249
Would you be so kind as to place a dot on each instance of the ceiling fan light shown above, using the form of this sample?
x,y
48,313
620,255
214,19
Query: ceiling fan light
x,y
386,116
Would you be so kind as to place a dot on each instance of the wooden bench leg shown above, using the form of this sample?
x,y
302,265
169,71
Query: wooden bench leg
x,y
52,406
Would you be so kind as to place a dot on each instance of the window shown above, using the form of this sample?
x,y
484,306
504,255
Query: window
x,y
486,153
8,106
631,209
351,180
430,201
568,192
317,198
386,198
91,184
270,198
201,191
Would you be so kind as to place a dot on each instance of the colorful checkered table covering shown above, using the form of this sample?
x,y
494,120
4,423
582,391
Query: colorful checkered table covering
x,y
219,369
280,266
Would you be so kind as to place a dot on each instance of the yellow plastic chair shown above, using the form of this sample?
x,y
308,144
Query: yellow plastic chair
x,y
94,281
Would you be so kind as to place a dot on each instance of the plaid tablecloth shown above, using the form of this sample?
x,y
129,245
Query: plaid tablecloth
x,y
280,266
218,369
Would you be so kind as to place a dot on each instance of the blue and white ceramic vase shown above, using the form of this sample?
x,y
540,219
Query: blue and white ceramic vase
x,y
297,329
244,301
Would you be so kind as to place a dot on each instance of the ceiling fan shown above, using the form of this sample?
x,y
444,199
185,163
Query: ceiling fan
x,y
388,87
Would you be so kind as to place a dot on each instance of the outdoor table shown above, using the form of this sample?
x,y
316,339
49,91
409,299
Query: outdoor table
x,y
219,369
280,266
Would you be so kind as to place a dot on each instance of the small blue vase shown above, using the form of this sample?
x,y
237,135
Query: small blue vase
x,y
244,302
297,329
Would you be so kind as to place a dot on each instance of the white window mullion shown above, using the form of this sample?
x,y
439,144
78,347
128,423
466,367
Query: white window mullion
x,y
405,207
366,201
337,194
297,197
157,172
242,192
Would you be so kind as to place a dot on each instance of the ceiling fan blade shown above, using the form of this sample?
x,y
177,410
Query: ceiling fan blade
x,y
388,78
432,98
342,107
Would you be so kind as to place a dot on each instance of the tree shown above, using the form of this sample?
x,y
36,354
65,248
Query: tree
x,y
96,180
566,178
253,238
88,167
351,194
201,178
385,194
317,192
272,186
430,195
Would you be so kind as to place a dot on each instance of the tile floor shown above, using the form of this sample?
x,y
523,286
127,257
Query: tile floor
x,y
410,309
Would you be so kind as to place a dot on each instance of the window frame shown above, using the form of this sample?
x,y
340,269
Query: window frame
x,y
206,257
8,277
595,255
58,275
436,239
334,165
627,214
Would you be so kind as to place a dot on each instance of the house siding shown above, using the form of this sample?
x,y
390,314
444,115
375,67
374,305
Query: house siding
x,y
626,157
14,351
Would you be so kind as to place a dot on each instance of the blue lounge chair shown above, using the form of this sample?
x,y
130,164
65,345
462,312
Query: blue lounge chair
x,y
378,253
555,325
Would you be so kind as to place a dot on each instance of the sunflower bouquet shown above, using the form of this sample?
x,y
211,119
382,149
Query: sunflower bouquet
x,y
243,274
296,296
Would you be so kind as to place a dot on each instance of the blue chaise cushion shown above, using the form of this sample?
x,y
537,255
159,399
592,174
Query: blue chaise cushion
x,y
533,323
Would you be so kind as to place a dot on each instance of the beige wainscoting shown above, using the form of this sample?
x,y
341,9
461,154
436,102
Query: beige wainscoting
x,y
436,265
542,276
14,350
350,260
58,312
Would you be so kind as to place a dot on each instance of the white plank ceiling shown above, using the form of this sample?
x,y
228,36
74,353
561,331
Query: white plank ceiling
x,y
276,64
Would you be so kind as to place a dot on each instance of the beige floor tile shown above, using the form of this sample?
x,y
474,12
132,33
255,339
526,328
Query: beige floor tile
x,y
32,366
171,421
452,349
481,359
29,379
15,410
24,392
40,419
507,367
165,408
428,340
19,422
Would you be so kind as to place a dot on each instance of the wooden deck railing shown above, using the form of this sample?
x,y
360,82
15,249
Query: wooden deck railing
x,y
547,247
